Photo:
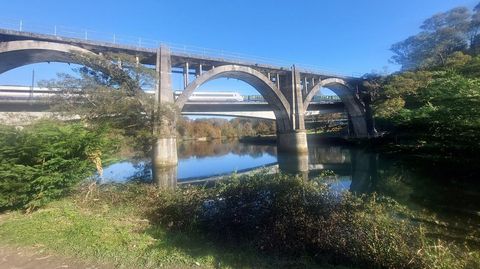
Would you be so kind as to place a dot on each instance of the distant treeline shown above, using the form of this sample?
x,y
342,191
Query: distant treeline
x,y
217,128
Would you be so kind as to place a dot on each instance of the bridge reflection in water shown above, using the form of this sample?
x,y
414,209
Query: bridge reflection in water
x,y
202,162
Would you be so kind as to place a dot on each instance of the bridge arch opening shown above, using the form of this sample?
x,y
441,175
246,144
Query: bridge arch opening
x,y
255,79
14,54
354,107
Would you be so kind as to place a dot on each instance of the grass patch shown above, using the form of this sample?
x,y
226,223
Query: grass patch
x,y
109,227
260,221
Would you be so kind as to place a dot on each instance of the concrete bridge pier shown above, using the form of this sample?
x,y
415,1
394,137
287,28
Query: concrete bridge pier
x,y
291,134
164,156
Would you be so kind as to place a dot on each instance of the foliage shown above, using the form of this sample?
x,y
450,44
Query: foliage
x,y
217,128
110,227
441,107
44,161
107,90
290,217
441,35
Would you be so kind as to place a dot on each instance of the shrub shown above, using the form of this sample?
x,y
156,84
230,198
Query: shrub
x,y
288,216
43,161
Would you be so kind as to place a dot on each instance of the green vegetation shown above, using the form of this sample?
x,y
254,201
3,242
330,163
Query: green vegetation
x,y
110,226
434,103
286,216
42,162
261,221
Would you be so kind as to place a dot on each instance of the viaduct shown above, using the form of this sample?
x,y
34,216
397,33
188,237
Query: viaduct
x,y
287,90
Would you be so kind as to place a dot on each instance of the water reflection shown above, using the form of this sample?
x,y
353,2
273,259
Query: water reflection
x,y
164,177
354,170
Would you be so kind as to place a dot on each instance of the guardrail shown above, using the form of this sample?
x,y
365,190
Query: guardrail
x,y
140,42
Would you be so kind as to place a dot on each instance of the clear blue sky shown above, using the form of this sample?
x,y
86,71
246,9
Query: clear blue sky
x,y
346,36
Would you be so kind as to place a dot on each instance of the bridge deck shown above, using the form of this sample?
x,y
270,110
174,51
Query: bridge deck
x,y
148,55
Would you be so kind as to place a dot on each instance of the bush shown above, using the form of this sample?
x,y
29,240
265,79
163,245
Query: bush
x,y
287,216
44,161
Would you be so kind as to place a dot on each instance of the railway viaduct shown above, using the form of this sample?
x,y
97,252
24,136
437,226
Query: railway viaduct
x,y
288,90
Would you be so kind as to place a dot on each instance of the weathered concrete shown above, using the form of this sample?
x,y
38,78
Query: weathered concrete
x,y
165,151
256,79
164,158
163,91
356,109
292,142
15,54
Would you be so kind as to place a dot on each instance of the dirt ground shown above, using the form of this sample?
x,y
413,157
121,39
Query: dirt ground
x,y
33,258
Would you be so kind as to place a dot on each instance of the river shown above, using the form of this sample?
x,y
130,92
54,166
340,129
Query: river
x,y
411,183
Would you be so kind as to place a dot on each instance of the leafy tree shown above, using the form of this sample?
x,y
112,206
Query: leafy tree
x,y
441,35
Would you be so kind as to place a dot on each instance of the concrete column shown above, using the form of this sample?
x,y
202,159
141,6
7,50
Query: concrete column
x,y
291,87
185,75
164,153
292,142
163,91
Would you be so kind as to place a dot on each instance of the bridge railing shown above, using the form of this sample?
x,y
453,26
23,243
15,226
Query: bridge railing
x,y
148,43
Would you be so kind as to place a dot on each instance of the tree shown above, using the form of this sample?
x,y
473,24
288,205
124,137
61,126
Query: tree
x,y
107,90
441,35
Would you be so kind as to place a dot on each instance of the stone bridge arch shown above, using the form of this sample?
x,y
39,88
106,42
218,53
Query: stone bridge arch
x,y
256,79
355,108
14,54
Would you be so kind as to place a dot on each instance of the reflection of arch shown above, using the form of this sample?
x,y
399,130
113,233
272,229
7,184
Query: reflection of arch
x,y
355,109
15,54
260,82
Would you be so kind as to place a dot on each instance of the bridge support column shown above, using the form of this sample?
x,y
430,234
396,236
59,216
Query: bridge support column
x,y
294,139
164,159
292,142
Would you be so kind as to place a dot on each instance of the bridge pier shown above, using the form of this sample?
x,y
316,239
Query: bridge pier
x,y
292,138
164,153
292,142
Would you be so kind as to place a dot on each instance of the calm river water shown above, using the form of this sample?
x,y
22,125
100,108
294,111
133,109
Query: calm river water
x,y
411,183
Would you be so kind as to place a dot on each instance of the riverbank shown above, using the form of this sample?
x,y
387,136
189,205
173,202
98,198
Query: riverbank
x,y
109,232
140,226
109,227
